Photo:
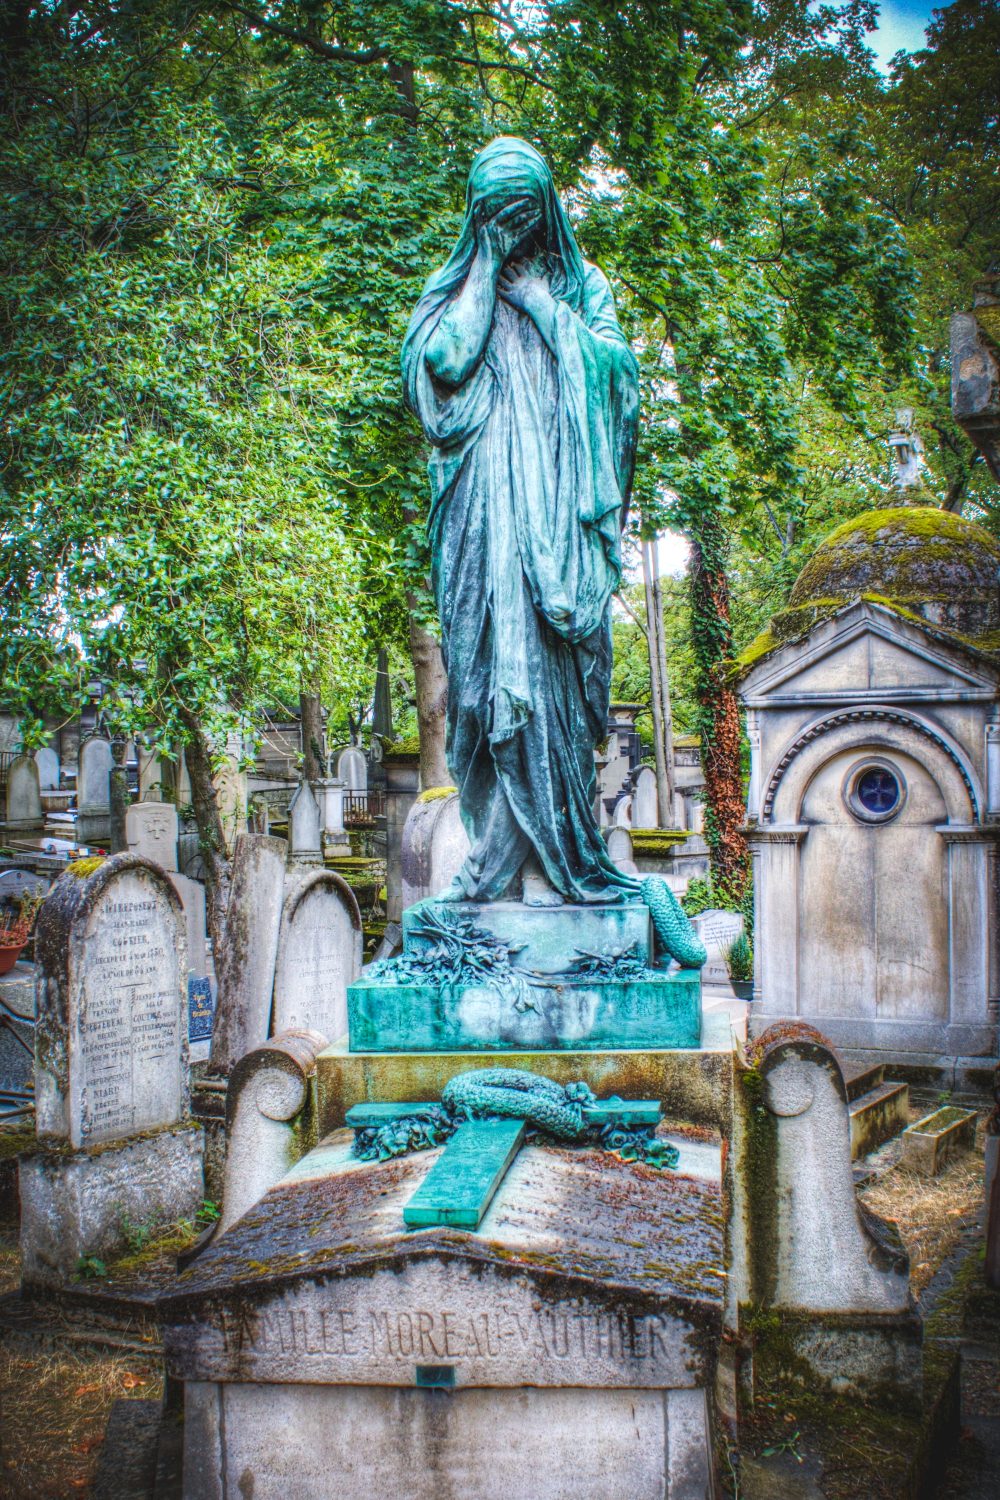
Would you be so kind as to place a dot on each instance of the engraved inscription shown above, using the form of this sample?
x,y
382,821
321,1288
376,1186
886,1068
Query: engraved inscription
x,y
128,1027
421,1334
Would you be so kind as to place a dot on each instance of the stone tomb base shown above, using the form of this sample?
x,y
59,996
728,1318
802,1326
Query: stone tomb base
x,y
566,977
305,1442
563,1349
79,1203
691,1083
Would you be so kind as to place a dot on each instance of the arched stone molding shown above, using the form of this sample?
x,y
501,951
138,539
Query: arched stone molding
x,y
877,727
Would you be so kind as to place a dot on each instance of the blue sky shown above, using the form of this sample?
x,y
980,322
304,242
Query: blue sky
x,y
901,28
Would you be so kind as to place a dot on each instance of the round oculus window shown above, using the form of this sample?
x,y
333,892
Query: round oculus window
x,y
876,793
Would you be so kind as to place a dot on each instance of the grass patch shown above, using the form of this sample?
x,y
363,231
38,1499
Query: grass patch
x,y
55,1410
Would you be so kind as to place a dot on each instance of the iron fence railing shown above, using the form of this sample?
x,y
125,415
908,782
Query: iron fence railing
x,y
362,808
6,756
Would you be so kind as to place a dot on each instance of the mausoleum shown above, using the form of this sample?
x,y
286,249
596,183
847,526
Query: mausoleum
x,y
874,801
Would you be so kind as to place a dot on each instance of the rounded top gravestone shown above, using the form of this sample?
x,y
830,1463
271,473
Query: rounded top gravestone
x,y
111,1041
93,784
24,801
320,948
352,769
435,845
47,762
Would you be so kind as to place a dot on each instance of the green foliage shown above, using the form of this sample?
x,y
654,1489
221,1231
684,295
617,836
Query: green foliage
x,y
698,897
739,959
89,1267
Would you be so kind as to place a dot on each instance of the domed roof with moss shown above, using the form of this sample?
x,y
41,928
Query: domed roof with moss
x,y
923,563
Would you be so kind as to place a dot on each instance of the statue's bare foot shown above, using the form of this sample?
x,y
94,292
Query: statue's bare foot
x,y
536,891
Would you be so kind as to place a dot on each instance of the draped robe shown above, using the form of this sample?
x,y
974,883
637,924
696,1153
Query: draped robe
x,y
530,469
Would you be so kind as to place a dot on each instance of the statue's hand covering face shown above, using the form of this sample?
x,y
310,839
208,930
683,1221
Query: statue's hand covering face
x,y
529,398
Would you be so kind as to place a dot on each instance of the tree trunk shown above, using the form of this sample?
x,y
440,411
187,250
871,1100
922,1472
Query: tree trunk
x,y
719,710
211,841
432,702
312,736
663,730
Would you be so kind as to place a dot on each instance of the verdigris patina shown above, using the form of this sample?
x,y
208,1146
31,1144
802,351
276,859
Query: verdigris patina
x,y
523,382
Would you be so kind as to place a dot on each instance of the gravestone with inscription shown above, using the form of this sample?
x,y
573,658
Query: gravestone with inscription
x,y
718,930
319,954
110,1066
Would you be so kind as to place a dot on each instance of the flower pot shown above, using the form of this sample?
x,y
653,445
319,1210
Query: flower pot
x,y
9,956
742,988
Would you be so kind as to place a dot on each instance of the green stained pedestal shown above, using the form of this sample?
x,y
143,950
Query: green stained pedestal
x,y
506,977
658,1010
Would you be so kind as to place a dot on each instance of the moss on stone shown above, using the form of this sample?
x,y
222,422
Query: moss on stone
x,y
926,565
988,319
654,842
82,868
408,745
903,553
436,793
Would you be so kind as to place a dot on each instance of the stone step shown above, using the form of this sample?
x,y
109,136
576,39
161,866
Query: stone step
x,y
877,1116
860,1077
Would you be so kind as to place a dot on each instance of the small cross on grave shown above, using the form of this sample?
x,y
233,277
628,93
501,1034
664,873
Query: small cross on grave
x,y
460,1186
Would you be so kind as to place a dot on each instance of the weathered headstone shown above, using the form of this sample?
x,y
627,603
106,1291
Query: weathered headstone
x,y
231,792
151,830
24,801
110,1067
245,957
644,804
718,930
330,795
112,1004
622,815
304,831
352,769
93,790
319,954
47,762
434,845
620,850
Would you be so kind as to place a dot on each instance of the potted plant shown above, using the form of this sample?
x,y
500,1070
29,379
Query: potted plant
x,y
15,929
739,962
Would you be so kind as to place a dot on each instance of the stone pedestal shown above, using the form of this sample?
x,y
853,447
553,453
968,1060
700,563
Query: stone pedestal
x,y
504,975
76,1204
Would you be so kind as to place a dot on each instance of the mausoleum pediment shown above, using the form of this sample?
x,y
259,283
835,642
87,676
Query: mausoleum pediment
x,y
869,652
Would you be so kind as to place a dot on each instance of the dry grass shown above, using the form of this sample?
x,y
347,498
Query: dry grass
x,y
930,1212
53,1413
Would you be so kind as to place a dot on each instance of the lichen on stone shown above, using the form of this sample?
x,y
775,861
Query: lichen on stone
x,y
927,565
